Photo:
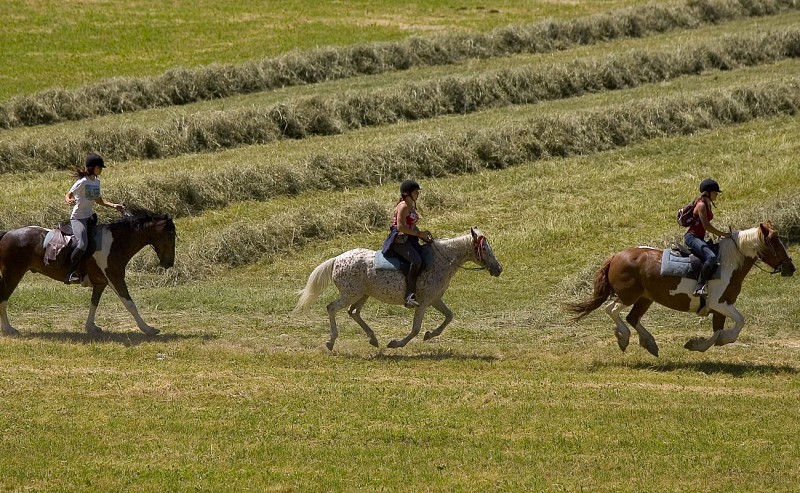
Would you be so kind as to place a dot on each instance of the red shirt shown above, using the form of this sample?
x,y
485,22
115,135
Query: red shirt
x,y
697,228
411,219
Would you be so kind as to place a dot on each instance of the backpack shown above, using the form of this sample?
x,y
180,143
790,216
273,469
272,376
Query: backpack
x,y
686,217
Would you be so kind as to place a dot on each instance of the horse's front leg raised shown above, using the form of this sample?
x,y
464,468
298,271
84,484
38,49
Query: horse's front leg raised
x,y
90,325
117,283
419,312
721,336
448,317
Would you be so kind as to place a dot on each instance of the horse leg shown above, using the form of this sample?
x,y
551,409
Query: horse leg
x,y
355,314
622,332
646,339
90,326
718,322
419,312
448,317
722,336
117,283
8,281
333,307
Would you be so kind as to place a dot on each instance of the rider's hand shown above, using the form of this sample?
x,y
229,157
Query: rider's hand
x,y
426,236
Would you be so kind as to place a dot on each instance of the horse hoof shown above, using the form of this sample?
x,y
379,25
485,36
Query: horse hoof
x,y
652,349
393,344
428,335
374,342
622,341
150,331
694,343
329,345
11,332
94,330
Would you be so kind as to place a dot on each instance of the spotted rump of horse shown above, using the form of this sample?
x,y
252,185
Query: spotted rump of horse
x,y
633,278
22,250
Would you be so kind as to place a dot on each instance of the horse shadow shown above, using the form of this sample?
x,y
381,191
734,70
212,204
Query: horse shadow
x,y
436,355
127,339
736,370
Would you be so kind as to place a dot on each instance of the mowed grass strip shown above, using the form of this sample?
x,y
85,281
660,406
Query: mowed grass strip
x,y
410,101
426,155
181,86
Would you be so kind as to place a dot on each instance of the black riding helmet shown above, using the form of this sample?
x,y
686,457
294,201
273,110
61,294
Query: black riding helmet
x,y
408,186
93,160
709,185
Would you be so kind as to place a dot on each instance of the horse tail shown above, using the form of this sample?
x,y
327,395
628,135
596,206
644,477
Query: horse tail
x,y
602,291
319,279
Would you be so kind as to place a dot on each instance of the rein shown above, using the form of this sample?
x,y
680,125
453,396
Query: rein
x,y
775,270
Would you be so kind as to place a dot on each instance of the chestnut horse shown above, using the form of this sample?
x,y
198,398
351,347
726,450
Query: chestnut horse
x,y
633,277
22,250
354,274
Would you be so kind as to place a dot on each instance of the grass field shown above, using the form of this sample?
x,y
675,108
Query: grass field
x,y
237,393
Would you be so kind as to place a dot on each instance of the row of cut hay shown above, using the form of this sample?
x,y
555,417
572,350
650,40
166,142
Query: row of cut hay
x,y
181,86
446,96
183,193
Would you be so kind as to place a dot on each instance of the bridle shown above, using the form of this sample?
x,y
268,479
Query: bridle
x,y
478,245
786,259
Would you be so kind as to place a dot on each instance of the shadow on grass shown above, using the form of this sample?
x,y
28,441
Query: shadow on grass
x,y
125,339
712,368
436,355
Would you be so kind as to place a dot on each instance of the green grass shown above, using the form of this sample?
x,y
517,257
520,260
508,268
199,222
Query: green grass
x,y
239,394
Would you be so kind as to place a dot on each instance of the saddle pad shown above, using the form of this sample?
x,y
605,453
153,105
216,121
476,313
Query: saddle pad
x,y
382,262
675,265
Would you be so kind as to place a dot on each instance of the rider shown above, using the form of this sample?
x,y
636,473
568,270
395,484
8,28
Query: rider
x,y
695,235
404,237
83,194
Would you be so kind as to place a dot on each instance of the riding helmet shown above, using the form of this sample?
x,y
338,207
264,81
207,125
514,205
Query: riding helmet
x,y
408,186
93,160
709,185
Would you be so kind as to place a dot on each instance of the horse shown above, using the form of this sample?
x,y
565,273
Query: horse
x,y
354,274
633,277
23,249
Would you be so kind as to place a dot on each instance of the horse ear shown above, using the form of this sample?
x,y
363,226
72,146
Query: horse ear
x,y
474,234
766,229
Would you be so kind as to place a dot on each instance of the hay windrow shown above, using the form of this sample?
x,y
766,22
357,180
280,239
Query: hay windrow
x,y
446,96
180,86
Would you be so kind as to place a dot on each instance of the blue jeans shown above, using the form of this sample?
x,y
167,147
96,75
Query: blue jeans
x,y
700,248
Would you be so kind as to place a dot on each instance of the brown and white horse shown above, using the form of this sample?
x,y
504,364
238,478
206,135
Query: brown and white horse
x,y
633,277
23,249
354,274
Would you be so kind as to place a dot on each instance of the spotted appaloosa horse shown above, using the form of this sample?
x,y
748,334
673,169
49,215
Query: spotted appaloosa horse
x,y
354,274
22,250
633,277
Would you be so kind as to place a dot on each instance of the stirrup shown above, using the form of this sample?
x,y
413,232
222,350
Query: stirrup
x,y
411,301
72,278
701,291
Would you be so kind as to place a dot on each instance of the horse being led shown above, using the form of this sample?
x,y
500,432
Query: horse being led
x,y
23,249
356,277
633,277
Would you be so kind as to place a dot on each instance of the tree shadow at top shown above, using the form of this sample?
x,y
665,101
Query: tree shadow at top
x,y
128,339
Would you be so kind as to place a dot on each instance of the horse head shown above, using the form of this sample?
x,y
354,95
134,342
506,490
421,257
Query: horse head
x,y
774,252
484,255
159,230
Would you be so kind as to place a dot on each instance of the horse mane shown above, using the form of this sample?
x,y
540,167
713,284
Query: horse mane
x,y
747,243
137,218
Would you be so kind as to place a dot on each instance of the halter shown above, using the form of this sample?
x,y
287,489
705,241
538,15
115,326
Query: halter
x,y
478,247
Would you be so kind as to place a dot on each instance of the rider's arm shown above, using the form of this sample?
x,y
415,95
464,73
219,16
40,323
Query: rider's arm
x,y
102,201
702,213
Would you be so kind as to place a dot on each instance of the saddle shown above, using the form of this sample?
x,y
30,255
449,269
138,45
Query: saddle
x,y
61,238
679,261
391,261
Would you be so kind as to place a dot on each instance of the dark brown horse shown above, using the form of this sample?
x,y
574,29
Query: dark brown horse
x,y
633,277
22,250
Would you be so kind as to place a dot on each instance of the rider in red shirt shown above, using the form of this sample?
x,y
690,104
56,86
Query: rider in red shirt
x,y
404,236
696,234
